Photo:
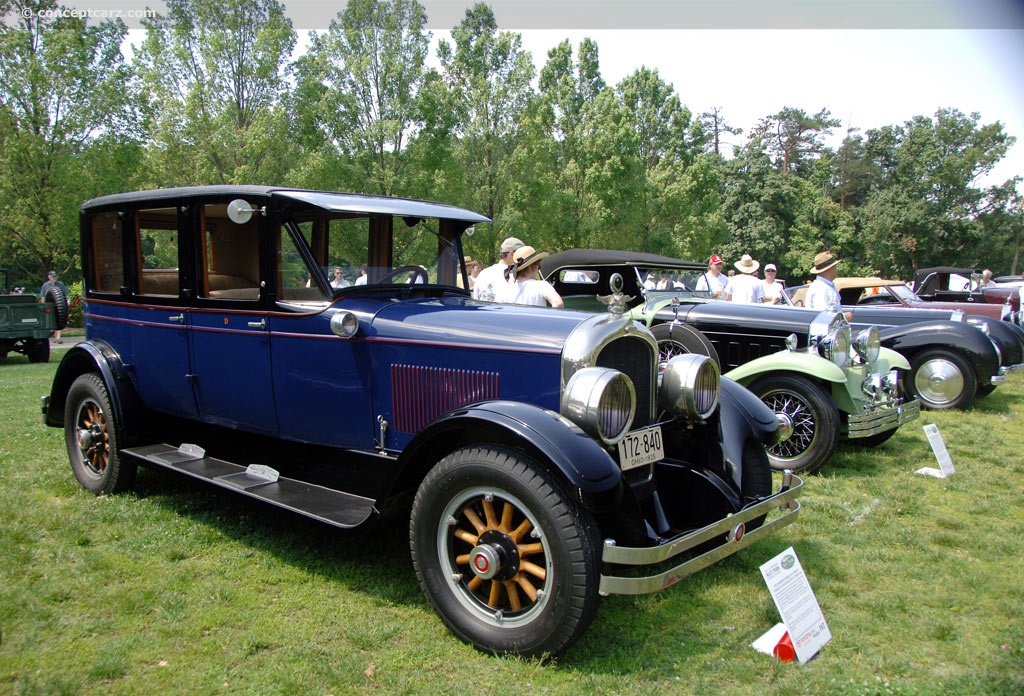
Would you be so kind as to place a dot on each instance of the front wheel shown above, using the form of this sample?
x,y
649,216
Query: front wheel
x,y
941,380
504,555
808,416
90,435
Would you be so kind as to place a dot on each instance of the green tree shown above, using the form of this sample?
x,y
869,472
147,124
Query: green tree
x,y
489,76
929,208
794,138
68,130
359,85
214,77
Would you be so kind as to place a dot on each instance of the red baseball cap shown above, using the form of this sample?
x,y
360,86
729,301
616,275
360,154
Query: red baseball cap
x,y
715,259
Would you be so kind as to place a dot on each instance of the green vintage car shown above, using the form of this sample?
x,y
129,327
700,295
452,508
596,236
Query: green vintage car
x,y
824,384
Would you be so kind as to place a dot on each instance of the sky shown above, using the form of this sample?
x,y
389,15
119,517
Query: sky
x,y
869,62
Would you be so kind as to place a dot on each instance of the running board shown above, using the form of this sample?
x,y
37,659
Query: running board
x,y
325,504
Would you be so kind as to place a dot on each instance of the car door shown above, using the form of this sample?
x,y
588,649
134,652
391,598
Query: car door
x,y
156,316
229,329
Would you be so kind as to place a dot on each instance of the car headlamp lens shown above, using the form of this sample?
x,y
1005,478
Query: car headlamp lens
x,y
868,343
836,346
602,401
690,386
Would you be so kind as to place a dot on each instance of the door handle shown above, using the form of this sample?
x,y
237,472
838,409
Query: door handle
x,y
177,318
261,324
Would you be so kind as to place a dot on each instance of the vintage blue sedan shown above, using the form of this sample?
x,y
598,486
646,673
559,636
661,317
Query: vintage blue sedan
x,y
320,352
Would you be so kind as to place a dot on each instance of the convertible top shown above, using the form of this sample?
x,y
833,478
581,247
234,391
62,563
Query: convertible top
x,y
611,257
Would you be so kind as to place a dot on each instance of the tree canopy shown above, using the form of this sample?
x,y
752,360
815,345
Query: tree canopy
x,y
552,153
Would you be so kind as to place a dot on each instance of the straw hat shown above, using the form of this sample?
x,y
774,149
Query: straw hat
x,y
747,264
824,261
527,256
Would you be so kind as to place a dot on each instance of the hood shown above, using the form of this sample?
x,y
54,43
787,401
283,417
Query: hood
x,y
476,324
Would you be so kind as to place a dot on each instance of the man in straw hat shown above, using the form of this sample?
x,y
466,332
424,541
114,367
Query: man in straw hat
x,y
490,281
745,287
822,293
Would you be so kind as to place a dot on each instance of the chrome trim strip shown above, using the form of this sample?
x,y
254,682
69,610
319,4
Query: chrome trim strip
x,y
783,501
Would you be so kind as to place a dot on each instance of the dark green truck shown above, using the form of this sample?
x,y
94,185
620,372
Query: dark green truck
x,y
26,321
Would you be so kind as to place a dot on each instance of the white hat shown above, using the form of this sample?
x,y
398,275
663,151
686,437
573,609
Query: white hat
x,y
747,264
770,267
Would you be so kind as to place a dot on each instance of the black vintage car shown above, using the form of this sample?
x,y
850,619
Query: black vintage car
x,y
952,372
824,384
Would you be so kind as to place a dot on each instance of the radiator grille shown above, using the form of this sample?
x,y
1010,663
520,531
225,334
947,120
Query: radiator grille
x,y
634,358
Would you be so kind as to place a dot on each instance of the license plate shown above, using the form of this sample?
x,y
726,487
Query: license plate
x,y
641,447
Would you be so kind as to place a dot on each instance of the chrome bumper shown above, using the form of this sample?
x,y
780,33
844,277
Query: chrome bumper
x,y
731,530
1007,369
874,422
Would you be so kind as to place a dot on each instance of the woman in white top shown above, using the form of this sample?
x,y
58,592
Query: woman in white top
x,y
527,289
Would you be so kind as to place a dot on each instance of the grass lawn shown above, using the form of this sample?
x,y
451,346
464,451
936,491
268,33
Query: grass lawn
x,y
178,589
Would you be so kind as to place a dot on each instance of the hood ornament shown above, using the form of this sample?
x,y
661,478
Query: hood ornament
x,y
617,301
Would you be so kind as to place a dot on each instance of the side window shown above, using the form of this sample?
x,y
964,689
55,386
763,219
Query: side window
x,y
107,253
295,281
230,256
156,233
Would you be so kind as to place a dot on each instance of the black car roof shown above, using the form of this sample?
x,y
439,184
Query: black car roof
x,y
610,257
327,200
923,273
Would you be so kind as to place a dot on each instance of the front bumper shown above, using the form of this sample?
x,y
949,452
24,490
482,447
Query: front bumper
x,y
1007,369
881,420
730,529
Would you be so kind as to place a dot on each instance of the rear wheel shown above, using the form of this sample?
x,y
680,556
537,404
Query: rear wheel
x,y
941,380
808,416
38,350
90,435
506,558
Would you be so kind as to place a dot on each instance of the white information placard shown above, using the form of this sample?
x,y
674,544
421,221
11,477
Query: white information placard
x,y
796,603
946,468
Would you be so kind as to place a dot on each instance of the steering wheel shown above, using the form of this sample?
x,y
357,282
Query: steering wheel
x,y
390,277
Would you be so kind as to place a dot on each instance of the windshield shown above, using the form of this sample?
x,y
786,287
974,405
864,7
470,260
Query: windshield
x,y
351,251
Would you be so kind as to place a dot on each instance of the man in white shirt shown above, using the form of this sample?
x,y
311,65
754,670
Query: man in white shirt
x,y
745,288
712,281
491,280
822,293
772,287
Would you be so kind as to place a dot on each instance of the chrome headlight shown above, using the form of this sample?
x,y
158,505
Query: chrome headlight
x,y
602,401
867,344
690,386
836,346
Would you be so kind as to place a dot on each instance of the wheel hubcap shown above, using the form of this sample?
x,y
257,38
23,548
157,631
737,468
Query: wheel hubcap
x,y
939,381
91,435
797,421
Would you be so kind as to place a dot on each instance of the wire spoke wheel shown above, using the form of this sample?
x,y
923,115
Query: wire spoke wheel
x,y
808,418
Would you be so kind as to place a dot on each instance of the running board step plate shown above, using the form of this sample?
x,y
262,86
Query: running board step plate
x,y
325,504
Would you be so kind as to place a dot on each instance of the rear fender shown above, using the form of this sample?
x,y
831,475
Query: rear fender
x,y
98,357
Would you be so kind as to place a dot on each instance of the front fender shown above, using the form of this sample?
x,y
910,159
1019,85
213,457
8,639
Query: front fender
x,y
800,361
551,438
888,359
963,338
